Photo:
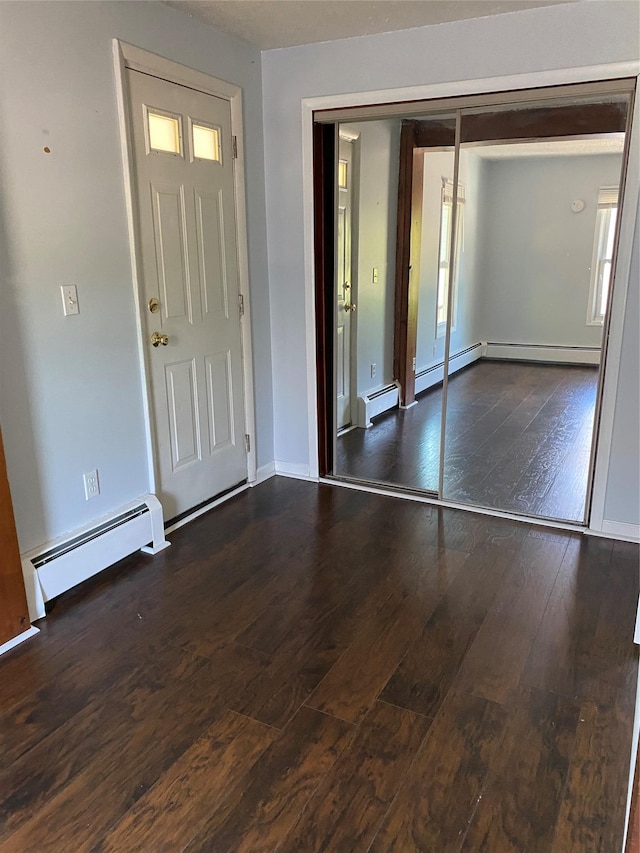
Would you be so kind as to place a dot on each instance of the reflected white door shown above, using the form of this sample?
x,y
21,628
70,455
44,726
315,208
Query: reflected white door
x,y
183,159
345,306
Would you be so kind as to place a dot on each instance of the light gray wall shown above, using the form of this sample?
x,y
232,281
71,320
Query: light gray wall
x,y
70,393
622,503
439,165
535,270
554,37
374,225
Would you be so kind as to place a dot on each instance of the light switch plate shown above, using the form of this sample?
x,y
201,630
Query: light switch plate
x,y
69,299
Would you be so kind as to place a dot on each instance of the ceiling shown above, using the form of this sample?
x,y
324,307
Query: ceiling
x,y
284,23
612,143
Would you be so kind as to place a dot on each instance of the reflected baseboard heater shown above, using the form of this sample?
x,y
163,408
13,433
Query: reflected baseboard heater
x,y
377,402
56,567
551,353
434,373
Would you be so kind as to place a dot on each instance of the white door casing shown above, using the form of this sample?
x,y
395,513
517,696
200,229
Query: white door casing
x,y
188,259
345,304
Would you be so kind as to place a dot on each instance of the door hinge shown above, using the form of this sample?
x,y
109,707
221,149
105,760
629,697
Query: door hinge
x,y
235,147
241,304
247,443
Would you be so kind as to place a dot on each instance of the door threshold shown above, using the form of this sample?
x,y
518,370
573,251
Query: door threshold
x,y
345,430
378,485
421,496
198,510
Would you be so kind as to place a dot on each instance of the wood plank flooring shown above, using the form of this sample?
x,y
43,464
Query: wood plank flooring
x,y
518,439
314,668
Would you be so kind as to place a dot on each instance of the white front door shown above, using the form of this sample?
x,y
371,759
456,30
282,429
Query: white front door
x,y
345,305
183,160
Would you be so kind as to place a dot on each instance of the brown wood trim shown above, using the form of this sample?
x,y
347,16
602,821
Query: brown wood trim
x,y
549,122
415,137
415,248
324,250
435,134
14,613
403,262
409,229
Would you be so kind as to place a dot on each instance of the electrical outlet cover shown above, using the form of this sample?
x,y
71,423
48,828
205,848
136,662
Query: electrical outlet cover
x,y
91,484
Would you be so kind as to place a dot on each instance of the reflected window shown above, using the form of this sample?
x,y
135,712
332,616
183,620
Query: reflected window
x,y
446,217
602,260
342,174
164,132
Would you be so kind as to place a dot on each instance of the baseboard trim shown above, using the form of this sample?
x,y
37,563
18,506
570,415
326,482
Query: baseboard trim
x,y
622,530
293,469
263,473
553,353
20,638
433,374
208,506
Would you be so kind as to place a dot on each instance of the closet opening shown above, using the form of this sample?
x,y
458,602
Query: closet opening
x,y
472,265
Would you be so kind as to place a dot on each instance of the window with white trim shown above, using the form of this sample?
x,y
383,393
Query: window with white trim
x,y
602,259
446,215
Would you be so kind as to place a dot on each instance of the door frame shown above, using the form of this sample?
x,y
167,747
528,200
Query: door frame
x,y
353,140
389,102
129,57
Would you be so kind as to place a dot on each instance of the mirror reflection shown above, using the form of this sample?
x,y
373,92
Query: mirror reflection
x,y
508,275
520,418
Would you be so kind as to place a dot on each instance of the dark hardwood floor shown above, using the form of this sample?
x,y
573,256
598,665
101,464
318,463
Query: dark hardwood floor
x,y
518,439
315,668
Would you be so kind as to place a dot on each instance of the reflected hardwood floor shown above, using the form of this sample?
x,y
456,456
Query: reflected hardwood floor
x,y
314,668
518,439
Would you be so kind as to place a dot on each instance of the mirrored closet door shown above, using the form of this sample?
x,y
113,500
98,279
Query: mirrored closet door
x,y
473,255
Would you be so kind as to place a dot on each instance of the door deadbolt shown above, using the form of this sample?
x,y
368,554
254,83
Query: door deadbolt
x,y
154,305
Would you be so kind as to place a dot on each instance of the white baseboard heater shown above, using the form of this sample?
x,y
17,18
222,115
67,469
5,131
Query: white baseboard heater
x,y
429,376
56,567
554,353
376,402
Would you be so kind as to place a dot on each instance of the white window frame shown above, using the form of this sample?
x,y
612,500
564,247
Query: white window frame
x,y
446,202
607,210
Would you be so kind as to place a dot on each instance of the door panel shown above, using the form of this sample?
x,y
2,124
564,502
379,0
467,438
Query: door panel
x,y
187,235
183,413
169,222
219,401
344,290
342,363
213,278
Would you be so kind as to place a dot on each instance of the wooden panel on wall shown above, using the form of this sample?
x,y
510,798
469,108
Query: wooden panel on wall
x,y
324,244
544,122
14,613
409,228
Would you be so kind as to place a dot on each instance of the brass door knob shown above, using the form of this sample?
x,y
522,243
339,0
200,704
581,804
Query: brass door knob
x,y
350,307
157,338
